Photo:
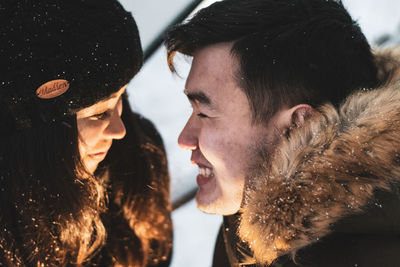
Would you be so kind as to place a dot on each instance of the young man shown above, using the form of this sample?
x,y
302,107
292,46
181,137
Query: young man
x,y
297,180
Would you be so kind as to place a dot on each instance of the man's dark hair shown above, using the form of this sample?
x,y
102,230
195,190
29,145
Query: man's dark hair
x,y
289,51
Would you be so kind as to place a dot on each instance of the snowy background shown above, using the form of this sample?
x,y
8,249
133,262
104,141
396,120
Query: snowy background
x,y
158,95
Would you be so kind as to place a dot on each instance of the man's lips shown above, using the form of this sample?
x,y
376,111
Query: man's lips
x,y
200,161
202,180
206,172
200,165
205,175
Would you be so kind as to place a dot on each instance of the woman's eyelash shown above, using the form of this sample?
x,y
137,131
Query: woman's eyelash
x,y
103,116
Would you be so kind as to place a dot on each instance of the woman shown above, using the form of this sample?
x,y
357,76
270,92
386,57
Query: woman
x,y
83,180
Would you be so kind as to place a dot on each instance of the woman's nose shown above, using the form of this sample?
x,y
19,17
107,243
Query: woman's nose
x,y
116,128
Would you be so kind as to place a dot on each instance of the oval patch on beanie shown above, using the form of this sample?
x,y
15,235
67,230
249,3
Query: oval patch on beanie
x,y
52,89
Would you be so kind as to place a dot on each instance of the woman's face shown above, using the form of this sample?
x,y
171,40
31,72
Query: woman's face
x,y
98,125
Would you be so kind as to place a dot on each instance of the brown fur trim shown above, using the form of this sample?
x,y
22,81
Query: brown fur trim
x,y
388,63
324,171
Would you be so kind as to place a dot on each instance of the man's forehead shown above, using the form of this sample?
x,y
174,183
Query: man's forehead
x,y
212,76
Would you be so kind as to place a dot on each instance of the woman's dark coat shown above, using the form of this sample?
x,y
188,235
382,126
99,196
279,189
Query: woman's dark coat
x,y
147,158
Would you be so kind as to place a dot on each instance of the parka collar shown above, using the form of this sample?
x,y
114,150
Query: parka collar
x,y
324,173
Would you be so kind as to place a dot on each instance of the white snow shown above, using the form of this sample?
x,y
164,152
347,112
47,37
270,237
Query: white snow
x,y
194,236
375,17
157,94
153,16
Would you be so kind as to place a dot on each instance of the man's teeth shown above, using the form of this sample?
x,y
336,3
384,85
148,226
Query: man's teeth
x,y
206,172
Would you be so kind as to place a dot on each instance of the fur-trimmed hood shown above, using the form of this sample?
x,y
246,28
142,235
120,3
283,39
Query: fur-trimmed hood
x,y
323,172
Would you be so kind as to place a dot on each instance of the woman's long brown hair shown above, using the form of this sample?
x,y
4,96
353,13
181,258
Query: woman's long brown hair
x,y
52,212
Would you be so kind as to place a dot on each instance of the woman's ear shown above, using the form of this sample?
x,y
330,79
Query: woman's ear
x,y
300,114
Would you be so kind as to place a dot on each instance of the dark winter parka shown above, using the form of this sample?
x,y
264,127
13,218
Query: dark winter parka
x,y
329,196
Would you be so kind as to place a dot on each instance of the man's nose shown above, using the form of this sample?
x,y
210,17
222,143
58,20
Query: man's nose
x,y
188,137
116,128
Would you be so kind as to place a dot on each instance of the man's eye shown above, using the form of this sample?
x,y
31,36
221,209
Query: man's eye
x,y
102,116
202,115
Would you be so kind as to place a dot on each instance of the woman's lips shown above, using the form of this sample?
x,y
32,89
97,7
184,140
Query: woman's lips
x,y
98,156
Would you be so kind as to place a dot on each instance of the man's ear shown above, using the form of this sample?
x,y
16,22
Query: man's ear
x,y
295,116
300,113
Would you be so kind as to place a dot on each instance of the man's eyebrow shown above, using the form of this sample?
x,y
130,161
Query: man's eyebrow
x,y
199,97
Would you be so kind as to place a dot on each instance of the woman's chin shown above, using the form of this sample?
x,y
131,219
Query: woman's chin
x,y
91,165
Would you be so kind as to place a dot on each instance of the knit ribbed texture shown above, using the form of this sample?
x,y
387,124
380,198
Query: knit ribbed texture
x,y
93,44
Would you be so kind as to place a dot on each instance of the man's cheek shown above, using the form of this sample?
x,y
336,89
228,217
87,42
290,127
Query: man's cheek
x,y
213,144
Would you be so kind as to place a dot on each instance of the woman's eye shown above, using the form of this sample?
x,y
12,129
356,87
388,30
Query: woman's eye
x,y
202,115
102,116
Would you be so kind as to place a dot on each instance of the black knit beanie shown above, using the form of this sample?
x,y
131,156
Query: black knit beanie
x,y
59,56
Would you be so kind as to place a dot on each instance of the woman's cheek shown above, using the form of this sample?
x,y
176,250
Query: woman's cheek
x,y
90,132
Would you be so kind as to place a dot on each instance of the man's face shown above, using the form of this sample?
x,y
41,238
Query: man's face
x,y
219,132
